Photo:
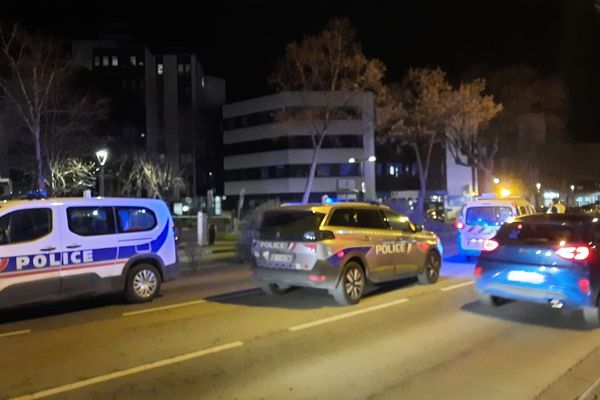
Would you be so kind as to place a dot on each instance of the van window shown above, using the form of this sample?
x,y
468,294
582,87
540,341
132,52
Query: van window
x,y
25,225
523,210
488,215
91,221
135,219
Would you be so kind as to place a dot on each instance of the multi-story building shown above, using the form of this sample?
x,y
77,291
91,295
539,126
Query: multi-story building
x,y
162,103
267,157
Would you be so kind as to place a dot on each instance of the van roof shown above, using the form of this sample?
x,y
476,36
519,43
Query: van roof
x,y
4,204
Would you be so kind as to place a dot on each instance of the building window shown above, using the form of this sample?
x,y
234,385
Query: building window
x,y
188,68
97,61
159,69
323,170
180,69
133,60
105,61
115,61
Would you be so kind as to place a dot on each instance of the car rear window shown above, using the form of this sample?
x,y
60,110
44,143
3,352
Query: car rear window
x,y
488,215
288,224
540,232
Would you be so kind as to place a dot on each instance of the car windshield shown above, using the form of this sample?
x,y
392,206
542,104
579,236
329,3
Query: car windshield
x,y
488,215
289,224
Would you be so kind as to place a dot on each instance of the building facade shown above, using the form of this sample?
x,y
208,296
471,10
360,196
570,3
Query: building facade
x,y
268,155
162,104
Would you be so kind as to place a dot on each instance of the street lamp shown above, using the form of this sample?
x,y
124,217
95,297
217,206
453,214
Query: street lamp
x,y
496,180
362,161
573,202
102,156
538,186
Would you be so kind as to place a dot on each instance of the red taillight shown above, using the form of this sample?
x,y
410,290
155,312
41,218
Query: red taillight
x,y
490,245
316,278
579,253
478,271
584,286
459,225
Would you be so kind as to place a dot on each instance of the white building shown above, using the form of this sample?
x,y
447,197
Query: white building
x,y
268,159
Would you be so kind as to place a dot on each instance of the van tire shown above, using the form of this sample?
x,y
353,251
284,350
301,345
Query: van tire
x,y
143,283
431,269
351,285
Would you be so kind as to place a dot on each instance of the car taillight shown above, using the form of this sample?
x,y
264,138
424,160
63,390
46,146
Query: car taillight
x,y
579,253
490,245
478,271
584,286
459,225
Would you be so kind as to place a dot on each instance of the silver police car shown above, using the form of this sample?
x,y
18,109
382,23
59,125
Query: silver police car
x,y
341,246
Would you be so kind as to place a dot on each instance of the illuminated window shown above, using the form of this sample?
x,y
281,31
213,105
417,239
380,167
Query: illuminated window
x,y
105,61
97,61
159,69
132,60
180,69
188,68
115,61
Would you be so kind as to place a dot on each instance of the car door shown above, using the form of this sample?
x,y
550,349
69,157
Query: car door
x,y
381,258
30,258
89,249
407,256
139,232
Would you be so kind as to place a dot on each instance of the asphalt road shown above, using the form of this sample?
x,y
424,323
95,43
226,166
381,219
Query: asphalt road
x,y
213,335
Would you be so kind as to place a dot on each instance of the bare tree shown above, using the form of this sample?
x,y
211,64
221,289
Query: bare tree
x,y
413,114
469,112
159,177
33,66
71,175
333,64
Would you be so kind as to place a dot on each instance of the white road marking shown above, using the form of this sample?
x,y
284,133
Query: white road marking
x,y
169,307
347,315
130,371
459,285
587,395
15,333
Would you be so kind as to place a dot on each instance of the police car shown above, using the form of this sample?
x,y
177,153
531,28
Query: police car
x,y
63,247
341,246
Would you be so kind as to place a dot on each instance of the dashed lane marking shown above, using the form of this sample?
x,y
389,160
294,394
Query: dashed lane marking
x,y
457,286
126,372
348,315
163,308
15,333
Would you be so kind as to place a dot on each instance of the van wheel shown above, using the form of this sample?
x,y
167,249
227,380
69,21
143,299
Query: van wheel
x,y
351,286
143,283
431,269
591,316
274,288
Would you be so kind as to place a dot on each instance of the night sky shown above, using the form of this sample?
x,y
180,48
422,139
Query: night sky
x,y
240,40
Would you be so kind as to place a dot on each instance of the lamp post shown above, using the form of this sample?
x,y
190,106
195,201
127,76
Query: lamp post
x,y
362,161
102,156
572,187
538,186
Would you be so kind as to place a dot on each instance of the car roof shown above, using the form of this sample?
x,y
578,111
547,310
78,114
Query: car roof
x,y
99,201
324,208
559,218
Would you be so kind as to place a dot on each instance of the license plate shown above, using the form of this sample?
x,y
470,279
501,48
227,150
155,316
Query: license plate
x,y
283,258
524,276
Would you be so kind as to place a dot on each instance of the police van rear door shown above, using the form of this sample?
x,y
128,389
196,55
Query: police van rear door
x,y
89,248
30,256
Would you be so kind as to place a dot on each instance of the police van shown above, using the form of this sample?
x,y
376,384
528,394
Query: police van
x,y
63,247
340,247
482,217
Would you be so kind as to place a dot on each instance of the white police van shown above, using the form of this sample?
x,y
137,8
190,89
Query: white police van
x,y
64,247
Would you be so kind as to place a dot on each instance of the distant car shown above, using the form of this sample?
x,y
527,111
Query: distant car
x,y
341,246
481,218
546,258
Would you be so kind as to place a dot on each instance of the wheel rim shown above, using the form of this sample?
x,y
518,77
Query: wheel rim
x,y
145,283
354,283
433,267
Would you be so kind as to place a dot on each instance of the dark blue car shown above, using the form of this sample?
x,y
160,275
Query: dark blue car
x,y
550,259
